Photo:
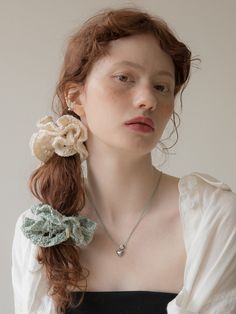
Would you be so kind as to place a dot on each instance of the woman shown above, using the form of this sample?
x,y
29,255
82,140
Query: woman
x,y
135,239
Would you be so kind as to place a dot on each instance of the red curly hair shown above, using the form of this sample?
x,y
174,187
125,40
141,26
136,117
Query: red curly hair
x,y
60,182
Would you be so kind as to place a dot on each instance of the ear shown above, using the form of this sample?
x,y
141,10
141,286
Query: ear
x,y
73,94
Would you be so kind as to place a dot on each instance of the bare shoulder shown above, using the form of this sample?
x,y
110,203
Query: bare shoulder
x,y
170,181
169,187
168,194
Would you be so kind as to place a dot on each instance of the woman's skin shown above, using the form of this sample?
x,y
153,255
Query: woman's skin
x,y
120,174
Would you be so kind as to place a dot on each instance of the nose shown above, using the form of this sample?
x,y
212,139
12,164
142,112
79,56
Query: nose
x,y
146,98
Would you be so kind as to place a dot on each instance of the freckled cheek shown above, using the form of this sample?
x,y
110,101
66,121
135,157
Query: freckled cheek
x,y
102,104
164,113
105,93
166,110
116,98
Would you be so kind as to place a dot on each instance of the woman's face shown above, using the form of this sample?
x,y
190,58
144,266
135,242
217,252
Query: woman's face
x,y
136,78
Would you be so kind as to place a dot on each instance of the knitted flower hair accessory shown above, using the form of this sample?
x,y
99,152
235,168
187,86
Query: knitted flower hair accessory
x,y
49,227
65,137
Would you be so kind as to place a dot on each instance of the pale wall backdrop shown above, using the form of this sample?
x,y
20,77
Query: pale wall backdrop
x,y
32,38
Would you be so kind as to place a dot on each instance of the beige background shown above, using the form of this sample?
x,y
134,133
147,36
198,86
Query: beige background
x,y
33,35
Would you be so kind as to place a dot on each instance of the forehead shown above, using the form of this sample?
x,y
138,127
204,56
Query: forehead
x,y
142,49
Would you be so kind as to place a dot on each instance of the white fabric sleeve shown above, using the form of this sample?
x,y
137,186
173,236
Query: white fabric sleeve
x,y
28,279
208,214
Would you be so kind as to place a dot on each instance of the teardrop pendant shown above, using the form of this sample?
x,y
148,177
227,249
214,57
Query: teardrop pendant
x,y
121,251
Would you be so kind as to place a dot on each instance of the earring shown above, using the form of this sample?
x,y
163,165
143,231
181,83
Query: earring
x,y
70,104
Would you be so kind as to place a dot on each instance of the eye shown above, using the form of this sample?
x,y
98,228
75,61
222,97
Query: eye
x,y
123,78
162,88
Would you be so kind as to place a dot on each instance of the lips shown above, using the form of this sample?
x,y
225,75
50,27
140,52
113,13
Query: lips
x,y
141,120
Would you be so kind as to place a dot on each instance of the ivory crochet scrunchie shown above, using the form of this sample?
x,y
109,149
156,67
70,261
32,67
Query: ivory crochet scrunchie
x,y
65,137
49,227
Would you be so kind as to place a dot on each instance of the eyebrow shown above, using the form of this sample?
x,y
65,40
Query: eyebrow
x,y
138,66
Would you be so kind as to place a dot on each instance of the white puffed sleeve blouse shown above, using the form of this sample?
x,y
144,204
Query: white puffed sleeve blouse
x,y
208,215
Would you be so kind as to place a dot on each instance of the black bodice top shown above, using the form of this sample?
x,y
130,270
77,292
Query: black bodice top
x,y
122,302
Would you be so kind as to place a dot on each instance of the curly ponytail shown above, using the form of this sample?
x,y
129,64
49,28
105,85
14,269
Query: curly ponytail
x,y
60,183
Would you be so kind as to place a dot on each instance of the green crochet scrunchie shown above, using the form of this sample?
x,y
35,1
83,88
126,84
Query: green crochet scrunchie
x,y
50,227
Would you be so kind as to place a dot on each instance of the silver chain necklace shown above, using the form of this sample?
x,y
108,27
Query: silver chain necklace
x,y
121,247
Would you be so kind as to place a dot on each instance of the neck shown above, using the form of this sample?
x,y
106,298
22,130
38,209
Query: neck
x,y
119,188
